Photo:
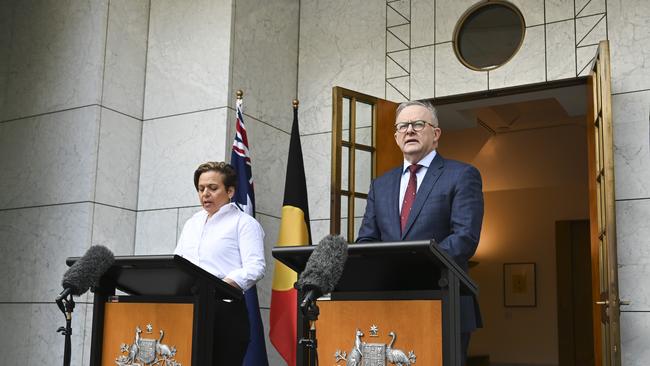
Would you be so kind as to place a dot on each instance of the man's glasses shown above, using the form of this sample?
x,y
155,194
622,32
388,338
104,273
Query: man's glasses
x,y
419,125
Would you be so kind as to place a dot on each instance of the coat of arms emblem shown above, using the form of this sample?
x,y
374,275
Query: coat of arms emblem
x,y
374,354
147,351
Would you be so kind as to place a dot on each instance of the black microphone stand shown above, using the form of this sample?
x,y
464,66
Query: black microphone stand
x,y
310,344
66,305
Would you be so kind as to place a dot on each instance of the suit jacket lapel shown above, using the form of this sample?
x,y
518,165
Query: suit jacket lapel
x,y
430,179
393,204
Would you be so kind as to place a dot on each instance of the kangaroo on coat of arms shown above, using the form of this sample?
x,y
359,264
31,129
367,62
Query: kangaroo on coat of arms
x,y
374,354
147,352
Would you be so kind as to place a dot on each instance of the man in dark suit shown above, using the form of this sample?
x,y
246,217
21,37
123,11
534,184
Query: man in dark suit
x,y
429,197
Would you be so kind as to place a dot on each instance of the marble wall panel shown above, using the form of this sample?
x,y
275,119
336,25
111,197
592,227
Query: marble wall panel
x,y
448,13
397,13
118,161
155,232
589,7
29,336
342,43
16,322
560,50
635,328
401,7
631,114
398,64
6,25
53,158
35,243
319,229
633,236
316,151
274,357
397,90
532,11
629,36
558,10
265,59
87,336
452,77
114,228
269,149
184,214
422,22
126,53
633,286
172,148
188,59
398,37
527,66
584,59
591,29
55,57
271,227
422,72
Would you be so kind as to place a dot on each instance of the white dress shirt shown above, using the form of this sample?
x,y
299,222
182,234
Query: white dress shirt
x,y
228,244
425,162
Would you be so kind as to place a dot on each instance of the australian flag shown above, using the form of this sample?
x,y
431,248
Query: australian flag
x,y
245,199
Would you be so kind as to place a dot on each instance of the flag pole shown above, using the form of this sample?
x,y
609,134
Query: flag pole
x,y
307,351
245,198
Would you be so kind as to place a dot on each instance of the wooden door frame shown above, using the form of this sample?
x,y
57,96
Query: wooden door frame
x,y
602,212
612,302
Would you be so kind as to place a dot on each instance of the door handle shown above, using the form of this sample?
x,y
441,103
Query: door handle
x,y
604,302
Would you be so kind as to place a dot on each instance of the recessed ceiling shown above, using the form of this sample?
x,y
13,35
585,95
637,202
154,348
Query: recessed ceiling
x,y
517,112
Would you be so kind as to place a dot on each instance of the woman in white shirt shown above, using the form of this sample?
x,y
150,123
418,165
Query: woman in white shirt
x,y
229,244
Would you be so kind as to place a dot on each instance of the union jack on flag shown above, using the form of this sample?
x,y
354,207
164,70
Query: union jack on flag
x,y
241,161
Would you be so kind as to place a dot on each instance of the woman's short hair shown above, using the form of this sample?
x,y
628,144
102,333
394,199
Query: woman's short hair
x,y
227,170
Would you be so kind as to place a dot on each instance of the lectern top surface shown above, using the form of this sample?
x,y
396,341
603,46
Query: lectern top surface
x,y
161,275
394,266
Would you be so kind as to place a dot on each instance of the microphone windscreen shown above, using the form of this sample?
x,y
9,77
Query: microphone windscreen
x,y
86,272
325,265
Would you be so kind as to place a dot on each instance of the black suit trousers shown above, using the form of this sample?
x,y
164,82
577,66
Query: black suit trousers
x,y
231,333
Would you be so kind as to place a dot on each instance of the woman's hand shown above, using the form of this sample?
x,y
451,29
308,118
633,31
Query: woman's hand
x,y
232,283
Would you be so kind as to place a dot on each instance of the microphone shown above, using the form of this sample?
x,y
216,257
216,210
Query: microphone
x,y
85,272
323,269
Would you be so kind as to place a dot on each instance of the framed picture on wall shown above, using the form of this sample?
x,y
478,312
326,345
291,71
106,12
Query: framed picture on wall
x,y
519,285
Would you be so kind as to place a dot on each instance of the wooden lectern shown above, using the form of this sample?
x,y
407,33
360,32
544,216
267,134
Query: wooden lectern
x,y
394,301
165,315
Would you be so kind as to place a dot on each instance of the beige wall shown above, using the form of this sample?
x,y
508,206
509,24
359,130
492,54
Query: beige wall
x,y
531,179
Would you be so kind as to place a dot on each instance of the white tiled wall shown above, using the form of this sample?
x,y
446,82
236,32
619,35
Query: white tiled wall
x,y
54,58
49,159
125,58
96,69
118,160
342,43
35,242
188,57
172,148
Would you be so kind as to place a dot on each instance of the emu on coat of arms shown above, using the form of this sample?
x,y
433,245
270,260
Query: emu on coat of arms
x,y
147,352
374,354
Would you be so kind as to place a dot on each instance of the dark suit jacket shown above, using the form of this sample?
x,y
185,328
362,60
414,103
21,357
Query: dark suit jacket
x,y
448,207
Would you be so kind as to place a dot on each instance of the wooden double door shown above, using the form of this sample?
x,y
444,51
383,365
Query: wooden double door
x,y
363,147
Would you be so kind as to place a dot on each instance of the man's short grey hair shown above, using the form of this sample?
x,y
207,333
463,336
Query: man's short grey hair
x,y
426,104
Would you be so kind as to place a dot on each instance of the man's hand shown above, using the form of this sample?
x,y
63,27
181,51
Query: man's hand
x,y
232,283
